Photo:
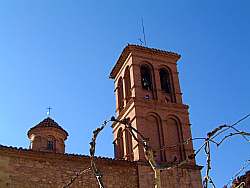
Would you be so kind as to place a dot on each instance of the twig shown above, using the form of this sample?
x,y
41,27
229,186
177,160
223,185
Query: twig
x,y
233,125
95,170
149,153
76,176
233,134
245,165
210,138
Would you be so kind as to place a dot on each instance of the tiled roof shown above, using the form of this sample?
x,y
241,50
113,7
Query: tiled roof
x,y
48,122
129,48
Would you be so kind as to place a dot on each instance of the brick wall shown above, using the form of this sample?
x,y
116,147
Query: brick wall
x,y
21,168
186,177
26,169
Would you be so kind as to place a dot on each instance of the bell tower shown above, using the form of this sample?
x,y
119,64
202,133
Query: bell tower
x,y
148,92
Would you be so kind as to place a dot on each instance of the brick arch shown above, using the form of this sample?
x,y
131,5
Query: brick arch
x,y
127,83
129,145
173,137
120,94
147,63
152,77
120,144
163,66
175,117
154,133
166,81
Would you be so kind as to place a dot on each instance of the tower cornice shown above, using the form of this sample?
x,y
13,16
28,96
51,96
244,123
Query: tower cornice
x,y
130,48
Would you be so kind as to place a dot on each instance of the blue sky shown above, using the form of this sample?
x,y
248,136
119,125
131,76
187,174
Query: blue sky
x,y
60,53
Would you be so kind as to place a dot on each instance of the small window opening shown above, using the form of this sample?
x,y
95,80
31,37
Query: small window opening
x,y
127,84
50,145
165,81
120,95
146,80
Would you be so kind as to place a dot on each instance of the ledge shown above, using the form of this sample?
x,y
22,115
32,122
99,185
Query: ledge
x,y
131,47
27,153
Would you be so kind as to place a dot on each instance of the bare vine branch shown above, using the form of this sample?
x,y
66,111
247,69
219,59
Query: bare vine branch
x,y
94,168
233,125
244,166
210,138
149,152
233,134
75,177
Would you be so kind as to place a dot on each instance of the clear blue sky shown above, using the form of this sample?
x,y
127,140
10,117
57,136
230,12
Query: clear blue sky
x,y
59,53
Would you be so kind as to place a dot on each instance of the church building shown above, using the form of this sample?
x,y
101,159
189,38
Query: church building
x,y
147,94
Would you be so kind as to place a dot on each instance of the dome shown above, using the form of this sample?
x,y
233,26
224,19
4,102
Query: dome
x,y
47,123
47,136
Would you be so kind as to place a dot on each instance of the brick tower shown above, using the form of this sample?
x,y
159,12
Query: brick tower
x,y
148,93
47,136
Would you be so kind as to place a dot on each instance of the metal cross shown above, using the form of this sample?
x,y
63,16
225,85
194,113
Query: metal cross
x,y
48,112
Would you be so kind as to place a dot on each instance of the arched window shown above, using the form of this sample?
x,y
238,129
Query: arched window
x,y
120,95
120,144
165,80
146,78
50,145
129,147
153,133
172,127
36,143
172,138
127,84
51,142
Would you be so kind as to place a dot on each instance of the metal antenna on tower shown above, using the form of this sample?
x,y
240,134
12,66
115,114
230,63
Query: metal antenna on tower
x,y
143,30
143,42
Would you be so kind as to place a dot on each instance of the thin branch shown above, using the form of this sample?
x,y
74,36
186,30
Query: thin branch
x,y
76,176
243,135
210,138
95,170
233,125
149,153
245,165
233,134
180,144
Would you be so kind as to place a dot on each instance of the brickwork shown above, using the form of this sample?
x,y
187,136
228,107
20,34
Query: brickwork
x,y
47,136
33,169
158,114
174,178
152,112
28,169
